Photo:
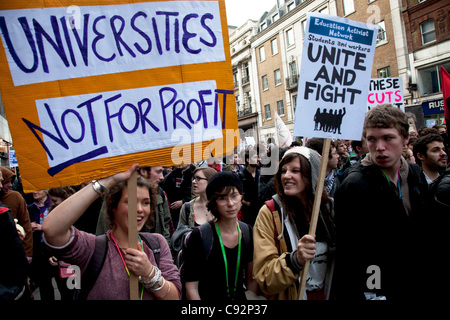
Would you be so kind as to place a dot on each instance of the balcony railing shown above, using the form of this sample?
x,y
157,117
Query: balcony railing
x,y
245,80
244,111
292,82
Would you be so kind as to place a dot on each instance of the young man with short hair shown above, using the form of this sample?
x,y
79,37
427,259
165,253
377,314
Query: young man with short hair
x,y
430,151
154,175
379,238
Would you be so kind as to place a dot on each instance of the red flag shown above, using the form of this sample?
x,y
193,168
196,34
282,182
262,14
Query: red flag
x,y
445,83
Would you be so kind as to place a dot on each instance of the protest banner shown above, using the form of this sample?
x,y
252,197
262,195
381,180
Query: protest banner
x,y
90,87
386,90
283,133
445,81
334,78
334,82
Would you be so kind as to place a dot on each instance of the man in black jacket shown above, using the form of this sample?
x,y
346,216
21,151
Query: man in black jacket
x,y
379,208
178,186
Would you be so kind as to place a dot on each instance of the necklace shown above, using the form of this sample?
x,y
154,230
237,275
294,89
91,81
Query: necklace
x,y
238,262
123,261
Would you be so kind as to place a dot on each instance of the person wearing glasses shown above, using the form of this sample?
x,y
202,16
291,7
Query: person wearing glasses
x,y
193,213
221,270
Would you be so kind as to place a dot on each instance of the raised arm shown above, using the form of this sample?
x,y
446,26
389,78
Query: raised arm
x,y
57,224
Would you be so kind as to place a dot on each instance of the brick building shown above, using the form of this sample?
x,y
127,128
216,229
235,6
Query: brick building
x,y
427,29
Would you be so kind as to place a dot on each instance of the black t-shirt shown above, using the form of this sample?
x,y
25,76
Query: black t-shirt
x,y
211,272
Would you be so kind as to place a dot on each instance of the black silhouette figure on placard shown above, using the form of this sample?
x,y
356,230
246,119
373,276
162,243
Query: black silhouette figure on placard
x,y
329,121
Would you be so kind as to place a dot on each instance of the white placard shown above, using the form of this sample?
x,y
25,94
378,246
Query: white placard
x,y
62,43
107,124
386,90
334,77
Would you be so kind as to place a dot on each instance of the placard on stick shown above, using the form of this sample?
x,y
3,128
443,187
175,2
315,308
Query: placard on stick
x,y
90,87
334,80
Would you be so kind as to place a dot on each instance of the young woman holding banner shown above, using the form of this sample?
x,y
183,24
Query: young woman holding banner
x,y
281,241
218,257
157,280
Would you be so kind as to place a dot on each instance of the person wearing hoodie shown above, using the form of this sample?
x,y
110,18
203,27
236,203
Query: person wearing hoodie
x,y
282,244
382,241
18,205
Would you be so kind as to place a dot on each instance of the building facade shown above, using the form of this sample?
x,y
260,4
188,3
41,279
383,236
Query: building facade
x,y
427,26
241,60
277,52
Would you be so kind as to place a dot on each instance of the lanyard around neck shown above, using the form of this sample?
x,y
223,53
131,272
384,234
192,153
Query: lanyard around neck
x,y
399,182
123,261
225,258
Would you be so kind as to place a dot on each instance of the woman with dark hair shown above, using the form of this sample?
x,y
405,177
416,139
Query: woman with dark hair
x,y
218,257
282,244
157,280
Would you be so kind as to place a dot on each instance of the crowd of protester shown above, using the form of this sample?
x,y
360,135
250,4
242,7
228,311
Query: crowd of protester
x,y
237,227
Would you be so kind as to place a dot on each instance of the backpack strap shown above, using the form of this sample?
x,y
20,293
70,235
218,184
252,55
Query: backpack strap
x,y
245,232
94,266
274,207
206,234
187,210
153,243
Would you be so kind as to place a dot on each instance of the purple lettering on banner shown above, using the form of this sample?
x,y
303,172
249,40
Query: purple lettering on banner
x,y
26,29
164,106
188,35
109,116
88,105
80,120
158,41
224,105
176,115
118,35
58,139
99,37
199,106
143,34
136,118
144,118
83,45
58,46
168,14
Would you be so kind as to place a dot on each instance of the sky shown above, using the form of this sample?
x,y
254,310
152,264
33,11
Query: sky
x,y
239,11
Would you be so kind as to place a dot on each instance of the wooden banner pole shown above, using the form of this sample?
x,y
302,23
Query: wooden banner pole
x,y
316,209
132,230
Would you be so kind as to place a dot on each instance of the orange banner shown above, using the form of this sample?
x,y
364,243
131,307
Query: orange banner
x,y
90,87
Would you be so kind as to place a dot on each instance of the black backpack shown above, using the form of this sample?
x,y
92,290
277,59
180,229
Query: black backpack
x,y
98,259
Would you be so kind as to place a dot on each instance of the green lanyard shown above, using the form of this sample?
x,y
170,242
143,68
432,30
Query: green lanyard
x,y
398,183
225,258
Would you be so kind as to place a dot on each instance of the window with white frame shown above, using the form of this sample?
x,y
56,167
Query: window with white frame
x,y
265,82
274,46
263,26
384,72
429,80
304,28
267,111
349,6
381,38
427,31
275,17
280,107
262,54
277,76
290,37
290,6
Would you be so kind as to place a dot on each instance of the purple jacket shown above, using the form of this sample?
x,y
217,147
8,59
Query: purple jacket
x,y
113,281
